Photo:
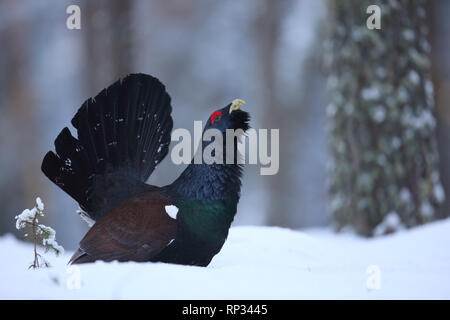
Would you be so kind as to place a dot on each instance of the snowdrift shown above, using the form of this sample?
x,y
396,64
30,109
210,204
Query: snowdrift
x,y
255,263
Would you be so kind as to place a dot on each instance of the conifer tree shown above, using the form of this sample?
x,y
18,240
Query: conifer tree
x,y
384,169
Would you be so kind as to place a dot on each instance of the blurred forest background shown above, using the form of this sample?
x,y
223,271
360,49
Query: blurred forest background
x,y
286,58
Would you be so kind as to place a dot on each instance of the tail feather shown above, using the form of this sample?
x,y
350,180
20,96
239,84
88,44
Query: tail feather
x,y
122,134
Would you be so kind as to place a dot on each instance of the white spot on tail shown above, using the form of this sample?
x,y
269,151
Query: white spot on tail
x,y
171,211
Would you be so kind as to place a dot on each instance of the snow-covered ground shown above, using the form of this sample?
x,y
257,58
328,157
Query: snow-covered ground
x,y
255,263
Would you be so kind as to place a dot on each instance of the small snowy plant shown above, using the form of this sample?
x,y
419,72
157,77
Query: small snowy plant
x,y
39,232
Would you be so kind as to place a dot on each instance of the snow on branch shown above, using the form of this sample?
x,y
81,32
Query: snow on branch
x,y
39,233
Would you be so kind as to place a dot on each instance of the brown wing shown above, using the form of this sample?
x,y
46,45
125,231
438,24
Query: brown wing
x,y
136,230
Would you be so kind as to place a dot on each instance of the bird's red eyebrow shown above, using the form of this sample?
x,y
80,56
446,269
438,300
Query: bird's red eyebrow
x,y
216,113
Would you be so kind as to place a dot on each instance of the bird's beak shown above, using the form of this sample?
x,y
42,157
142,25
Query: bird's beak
x,y
236,104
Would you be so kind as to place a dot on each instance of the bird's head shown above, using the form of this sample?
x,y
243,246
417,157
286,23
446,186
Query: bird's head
x,y
229,117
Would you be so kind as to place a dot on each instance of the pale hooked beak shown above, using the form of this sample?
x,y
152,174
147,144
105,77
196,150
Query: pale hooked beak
x,y
236,104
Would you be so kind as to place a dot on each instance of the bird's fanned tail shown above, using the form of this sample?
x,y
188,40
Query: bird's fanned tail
x,y
123,133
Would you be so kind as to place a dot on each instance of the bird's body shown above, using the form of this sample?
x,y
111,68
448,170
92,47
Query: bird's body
x,y
123,133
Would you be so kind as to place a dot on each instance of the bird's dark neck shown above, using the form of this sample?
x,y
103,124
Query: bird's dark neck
x,y
208,182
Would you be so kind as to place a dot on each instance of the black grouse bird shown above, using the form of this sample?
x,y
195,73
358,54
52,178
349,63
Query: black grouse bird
x,y
123,133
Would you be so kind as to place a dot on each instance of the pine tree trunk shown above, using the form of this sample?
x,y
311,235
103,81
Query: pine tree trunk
x,y
440,56
268,24
381,122
18,152
109,56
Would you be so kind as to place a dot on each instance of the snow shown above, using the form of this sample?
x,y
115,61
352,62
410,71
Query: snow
x,y
405,195
49,238
426,210
390,223
409,35
396,142
424,119
379,114
255,263
439,193
331,110
414,77
27,215
40,204
371,93
429,87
